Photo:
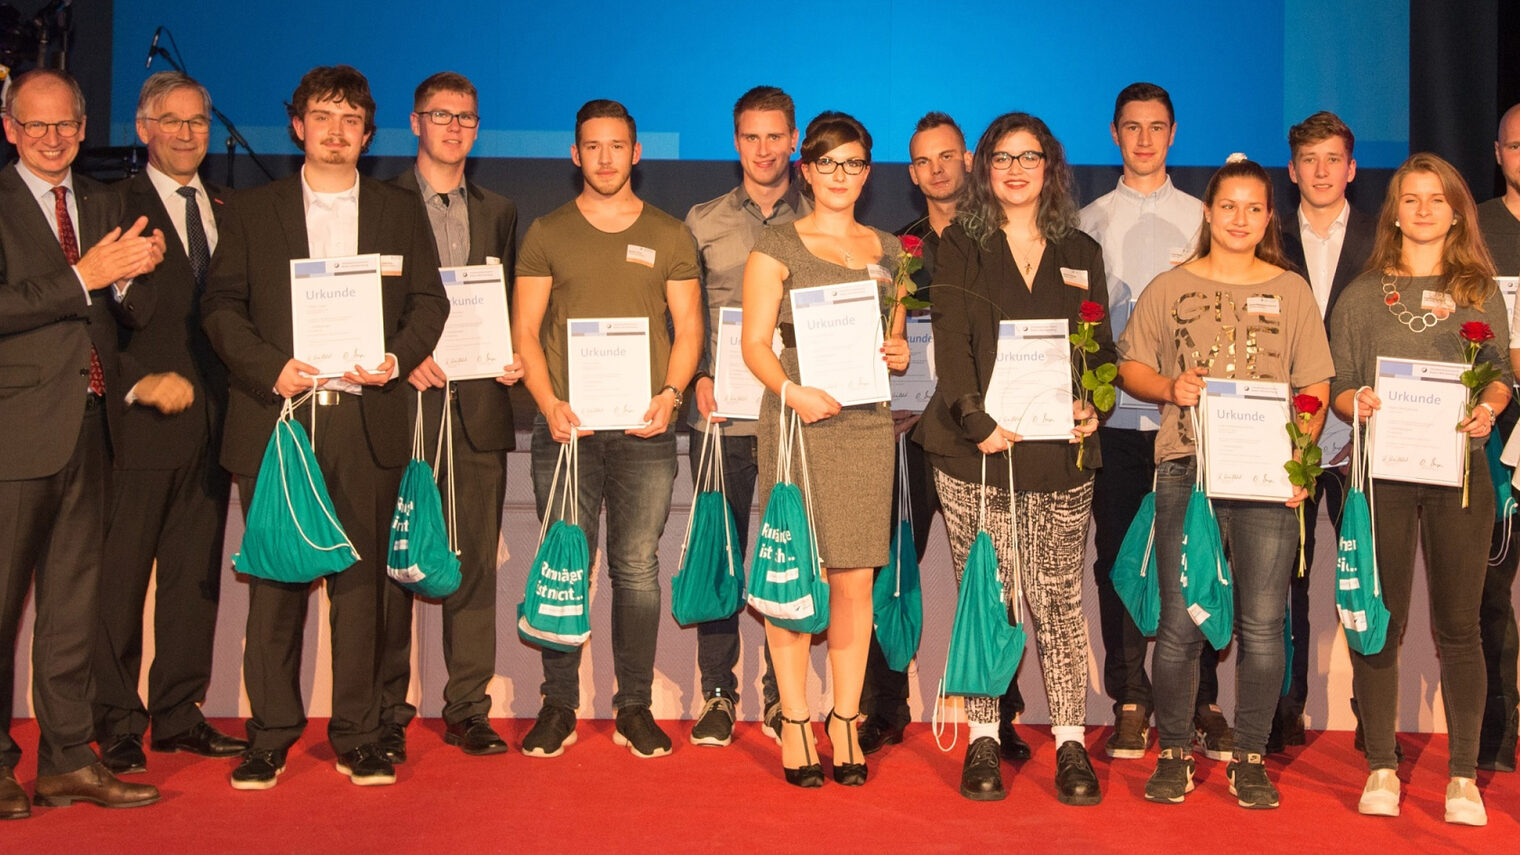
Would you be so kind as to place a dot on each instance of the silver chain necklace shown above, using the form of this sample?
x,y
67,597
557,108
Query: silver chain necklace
x,y
1395,303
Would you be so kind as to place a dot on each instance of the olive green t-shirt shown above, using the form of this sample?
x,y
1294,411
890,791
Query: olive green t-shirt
x,y
601,274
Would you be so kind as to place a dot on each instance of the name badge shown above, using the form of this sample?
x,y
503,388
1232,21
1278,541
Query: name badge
x,y
1438,303
1178,254
640,255
1075,278
391,265
1263,305
879,273
491,259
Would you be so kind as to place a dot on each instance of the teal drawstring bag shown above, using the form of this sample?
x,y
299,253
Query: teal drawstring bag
x,y
985,649
786,581
897,599
710,583
293,534
553,612
1207,590
1358,590
1134,570
422,557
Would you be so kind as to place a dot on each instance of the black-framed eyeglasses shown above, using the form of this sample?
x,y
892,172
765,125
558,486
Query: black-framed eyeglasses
x,y
172,124
1028,159
444,117
68,128
853,166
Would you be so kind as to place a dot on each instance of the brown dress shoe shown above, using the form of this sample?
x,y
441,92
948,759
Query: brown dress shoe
x,y
93,783
13,804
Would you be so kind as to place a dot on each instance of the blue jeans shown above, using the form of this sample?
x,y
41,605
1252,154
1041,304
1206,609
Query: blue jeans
x,y
1261,539
634,476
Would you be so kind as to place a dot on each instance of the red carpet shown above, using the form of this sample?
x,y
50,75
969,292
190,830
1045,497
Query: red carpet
x,y
599,798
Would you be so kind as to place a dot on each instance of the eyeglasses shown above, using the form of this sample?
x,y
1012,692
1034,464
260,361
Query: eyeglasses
x,y
853,166
172,124
1028,159
444,117
67,128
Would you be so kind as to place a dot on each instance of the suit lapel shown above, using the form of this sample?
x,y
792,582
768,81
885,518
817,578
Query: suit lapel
x,y
371,215
18,197
292,216
480,236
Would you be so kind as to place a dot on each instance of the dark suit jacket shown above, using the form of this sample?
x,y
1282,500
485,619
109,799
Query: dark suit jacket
x,y
483,404
246,310
169,337
1361,230
46,328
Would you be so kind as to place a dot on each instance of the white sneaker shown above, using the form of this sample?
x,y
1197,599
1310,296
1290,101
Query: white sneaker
x,y
1464,805
1381,795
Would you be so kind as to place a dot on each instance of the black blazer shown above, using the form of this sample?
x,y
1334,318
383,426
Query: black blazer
x,y
246,311
169,337
484,407
1361,231
46,329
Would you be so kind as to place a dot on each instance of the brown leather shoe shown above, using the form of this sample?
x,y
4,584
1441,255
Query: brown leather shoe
x,y
13,804
94,783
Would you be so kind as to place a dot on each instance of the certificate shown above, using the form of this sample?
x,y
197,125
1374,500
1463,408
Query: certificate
x,y
1030,390
608,362
335,312
912,389
1245,440
1413,436
477,338
735,389
838,329
1508,286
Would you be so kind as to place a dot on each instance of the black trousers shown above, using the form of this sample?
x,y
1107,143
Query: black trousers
x,y
52,533
177,517
364,496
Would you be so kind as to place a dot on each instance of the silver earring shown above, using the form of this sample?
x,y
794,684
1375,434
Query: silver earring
x,y
1395,223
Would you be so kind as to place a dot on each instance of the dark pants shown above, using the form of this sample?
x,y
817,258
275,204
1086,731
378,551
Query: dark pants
x,y
52,531
1455,541
178,517
364,497
469,614
1128,470
718,640
1330,494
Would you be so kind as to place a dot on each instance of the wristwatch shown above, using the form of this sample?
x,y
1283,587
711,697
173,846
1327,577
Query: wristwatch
x,y
676,393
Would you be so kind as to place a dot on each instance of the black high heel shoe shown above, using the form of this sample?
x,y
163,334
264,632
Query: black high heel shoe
x,y
811,775
851,773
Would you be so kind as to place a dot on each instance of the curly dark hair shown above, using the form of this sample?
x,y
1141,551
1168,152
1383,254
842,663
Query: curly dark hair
x,y
333,83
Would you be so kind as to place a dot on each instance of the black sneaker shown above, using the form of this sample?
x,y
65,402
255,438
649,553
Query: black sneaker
x,y
1173,778
877,733
392,742
636,729
981,774
366,766
1213,733
1249,783
770,725
552,733
1076,782
715,726
1132,733
259,770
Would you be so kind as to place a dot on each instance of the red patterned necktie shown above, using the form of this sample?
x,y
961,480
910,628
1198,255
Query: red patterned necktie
x,y
70,246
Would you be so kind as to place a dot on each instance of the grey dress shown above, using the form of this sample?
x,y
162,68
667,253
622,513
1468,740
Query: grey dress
x,y
850,455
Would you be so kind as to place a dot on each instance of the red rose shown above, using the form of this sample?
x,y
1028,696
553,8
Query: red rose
x,y
912,245
1091,312
1306,405
1477,332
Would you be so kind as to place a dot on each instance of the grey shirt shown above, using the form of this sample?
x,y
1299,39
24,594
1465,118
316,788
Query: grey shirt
x,y
726,228
449,216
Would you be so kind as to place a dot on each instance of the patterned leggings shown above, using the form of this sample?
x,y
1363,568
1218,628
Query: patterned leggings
x,y
1052,539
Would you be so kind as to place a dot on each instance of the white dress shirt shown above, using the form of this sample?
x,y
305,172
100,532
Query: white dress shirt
x,y
1322,253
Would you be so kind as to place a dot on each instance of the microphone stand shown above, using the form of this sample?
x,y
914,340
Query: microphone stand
x,y
234,137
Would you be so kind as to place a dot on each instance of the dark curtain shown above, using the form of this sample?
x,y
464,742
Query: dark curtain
x,y
1454,71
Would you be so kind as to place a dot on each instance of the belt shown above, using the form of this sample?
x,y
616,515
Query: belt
x,y
329,397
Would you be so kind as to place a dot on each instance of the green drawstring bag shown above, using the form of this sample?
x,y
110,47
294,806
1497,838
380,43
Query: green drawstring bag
x,y
553,613
985,649
1502,476
897,600
1207,590
786,581
1358,591
293,534
1134,570
422,557
710,584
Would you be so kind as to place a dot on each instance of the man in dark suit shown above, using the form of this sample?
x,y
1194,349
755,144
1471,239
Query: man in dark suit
x,y
65,266
169,492
327,210
470,225
1328,241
